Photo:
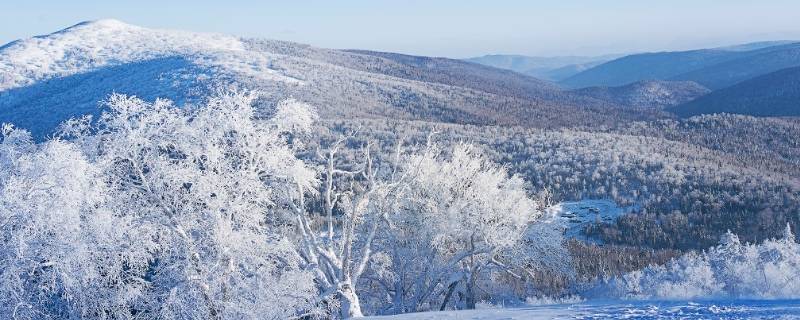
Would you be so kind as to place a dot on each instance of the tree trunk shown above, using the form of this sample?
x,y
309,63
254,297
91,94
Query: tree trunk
x,y
470,290
398,300
350,305
450,289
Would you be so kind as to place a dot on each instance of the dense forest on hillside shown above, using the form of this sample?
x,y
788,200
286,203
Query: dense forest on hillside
x,y
692,180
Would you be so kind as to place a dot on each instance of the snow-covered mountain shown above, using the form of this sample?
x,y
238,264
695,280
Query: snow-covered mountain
x,y
713,68
91,45
648,93
46,79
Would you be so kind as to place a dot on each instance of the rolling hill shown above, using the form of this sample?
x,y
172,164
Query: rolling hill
x,y
712,68
46,79
648,93
646,66
753,64
773,94
548,68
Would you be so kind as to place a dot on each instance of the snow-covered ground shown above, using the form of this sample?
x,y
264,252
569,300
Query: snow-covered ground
x,y
739,309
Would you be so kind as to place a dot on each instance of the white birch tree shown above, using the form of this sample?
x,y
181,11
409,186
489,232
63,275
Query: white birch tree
x,y
336,240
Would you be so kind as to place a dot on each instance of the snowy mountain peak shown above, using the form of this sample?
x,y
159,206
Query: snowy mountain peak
x,y
100,24
90,45
47,79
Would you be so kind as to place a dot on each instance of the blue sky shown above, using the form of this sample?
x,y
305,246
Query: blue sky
x,y
440,28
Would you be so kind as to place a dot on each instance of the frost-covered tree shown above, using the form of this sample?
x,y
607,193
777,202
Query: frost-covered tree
x,y
62,254
730,270
200,183
457,212
155,211
350,211
407,230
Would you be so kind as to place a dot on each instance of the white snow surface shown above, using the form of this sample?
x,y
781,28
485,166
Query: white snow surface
x,y
69,71
94,44
712,309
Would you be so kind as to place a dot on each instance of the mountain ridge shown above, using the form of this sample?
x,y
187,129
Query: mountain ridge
x,y
774,94
648,93
184,66
554,68
691,65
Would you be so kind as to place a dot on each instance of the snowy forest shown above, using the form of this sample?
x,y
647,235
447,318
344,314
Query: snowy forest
x,y
207,212
162,174
215,212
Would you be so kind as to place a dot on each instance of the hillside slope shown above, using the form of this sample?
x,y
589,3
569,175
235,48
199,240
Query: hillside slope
x,y
548,68
646,66
46,79
774,94
478,77
756,63
647,94
691,179
712,68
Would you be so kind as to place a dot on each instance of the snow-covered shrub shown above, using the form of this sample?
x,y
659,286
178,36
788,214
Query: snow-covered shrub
x,y
730,270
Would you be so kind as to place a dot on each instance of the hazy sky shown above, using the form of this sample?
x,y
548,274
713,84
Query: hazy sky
x,y
439,28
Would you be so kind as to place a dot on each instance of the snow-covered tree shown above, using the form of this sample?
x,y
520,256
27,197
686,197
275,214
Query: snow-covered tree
x,y
458,211
200,183
155,211
730,270
336,235
61,255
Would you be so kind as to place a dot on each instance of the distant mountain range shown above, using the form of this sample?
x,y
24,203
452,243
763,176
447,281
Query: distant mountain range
x,y
773,94
47,79
756,45
754,78
548,68
747,65
713,68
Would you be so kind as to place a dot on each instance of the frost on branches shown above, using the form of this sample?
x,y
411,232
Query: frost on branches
x,y
454,215
730,270
206,212
153,211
